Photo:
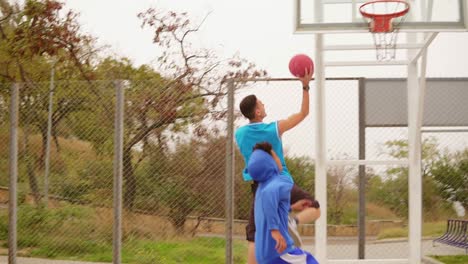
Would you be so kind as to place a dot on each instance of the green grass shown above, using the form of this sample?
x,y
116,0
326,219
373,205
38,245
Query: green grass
x,y
190,251
70,233
393,233
433,229
458,259
197,250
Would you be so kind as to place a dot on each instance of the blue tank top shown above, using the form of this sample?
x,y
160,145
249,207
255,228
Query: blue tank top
x,y
249,135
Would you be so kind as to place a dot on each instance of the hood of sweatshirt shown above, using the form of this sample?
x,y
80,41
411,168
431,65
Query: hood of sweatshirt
x,y
262,166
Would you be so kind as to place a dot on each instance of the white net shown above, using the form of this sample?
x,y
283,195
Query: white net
x,y
384,19
385,45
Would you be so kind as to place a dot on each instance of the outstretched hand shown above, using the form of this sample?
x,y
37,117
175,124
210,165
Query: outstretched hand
x,y
306,78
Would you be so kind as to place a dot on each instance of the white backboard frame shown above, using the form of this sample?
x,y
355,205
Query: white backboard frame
x,y
361,26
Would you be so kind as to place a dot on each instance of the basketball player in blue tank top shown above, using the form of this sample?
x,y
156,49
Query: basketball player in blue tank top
x,y
257,131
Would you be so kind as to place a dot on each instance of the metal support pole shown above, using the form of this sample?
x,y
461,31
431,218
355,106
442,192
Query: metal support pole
x,y
13,188
230,174
49,136
118,171
320,153
415,171
362,172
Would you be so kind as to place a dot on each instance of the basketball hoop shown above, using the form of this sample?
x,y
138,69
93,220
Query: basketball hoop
x,y
384,18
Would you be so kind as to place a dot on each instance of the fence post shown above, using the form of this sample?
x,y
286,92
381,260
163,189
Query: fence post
x,y
362,171
118,171
49,136
230,173
13,164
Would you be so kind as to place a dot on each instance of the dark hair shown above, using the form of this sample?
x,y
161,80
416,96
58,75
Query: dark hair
x,y
247,106
265,146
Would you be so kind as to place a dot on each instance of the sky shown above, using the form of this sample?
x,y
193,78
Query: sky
x,y
262,31
253,29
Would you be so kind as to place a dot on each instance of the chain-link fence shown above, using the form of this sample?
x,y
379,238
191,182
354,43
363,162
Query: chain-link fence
x,y
174,172
173,167
63,178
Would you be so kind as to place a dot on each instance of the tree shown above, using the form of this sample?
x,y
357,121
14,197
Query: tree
x,y
31,38
303,170
188,180
451,176
182,174
339,191
394,190
191,93
38,34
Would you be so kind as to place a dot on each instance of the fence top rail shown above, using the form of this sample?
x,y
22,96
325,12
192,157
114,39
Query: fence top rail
x,y
291,79
345,79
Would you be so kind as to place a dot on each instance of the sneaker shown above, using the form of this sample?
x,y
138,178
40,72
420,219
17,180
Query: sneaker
x,y
292,228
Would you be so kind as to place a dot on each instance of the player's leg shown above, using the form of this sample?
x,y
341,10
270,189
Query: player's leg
x,y
251,253
293,232
307,210
309,213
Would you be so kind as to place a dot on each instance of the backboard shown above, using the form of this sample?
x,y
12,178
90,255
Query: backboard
x,y
341,16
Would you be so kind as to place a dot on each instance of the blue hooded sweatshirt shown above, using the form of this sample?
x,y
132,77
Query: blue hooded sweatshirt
x,y
272,205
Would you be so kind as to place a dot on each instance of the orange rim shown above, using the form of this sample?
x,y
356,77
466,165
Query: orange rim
x,y
383,16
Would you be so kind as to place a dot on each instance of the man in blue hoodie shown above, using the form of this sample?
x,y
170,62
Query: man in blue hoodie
x,y
273,244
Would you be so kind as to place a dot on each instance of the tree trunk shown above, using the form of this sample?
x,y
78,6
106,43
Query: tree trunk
x,y
178,217
30,169
57,146
44,148
130,182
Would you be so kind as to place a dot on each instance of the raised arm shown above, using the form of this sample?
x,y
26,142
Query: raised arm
x,y
277,160
293,120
